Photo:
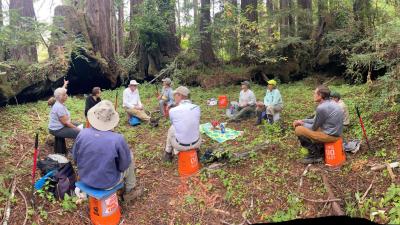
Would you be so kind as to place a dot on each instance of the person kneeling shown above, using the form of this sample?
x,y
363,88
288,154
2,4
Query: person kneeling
x,y
184,133
103,157
325,127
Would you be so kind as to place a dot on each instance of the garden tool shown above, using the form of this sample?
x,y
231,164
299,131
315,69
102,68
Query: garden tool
x,y
35,155
362,127
116,101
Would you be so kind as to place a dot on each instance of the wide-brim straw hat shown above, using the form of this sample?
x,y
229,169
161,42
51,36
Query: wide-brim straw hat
x,y
103,116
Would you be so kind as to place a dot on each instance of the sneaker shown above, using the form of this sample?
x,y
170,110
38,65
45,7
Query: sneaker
x,y
312,160
133,194
168,156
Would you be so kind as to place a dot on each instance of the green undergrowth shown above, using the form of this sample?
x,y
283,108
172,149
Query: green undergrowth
x,y
261,186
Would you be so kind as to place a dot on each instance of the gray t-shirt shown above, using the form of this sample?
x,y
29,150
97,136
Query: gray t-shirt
x,y
58,110
328,117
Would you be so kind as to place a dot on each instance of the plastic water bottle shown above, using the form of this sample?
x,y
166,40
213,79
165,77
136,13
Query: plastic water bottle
x,y
222,129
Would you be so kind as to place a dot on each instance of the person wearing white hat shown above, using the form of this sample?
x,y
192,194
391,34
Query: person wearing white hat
x,y
247,103
166,97
184,133
103,157
131,102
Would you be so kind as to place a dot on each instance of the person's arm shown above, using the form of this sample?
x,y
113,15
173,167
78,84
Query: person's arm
x,y
319,119
124,155
75,149
65,120
139,103
276,98
252,99
125,102
65,85
266,99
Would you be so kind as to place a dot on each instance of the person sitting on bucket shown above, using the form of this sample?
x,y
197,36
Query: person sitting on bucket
x,y
103,157
166,97
346,117
326,126
272,103
184,133
131,102
247,103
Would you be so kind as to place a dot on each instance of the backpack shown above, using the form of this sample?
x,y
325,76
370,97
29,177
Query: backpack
x,y
63,179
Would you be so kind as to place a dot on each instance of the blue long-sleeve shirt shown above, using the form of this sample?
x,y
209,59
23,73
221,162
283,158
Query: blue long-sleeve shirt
x,y
168,93
273,98
101,157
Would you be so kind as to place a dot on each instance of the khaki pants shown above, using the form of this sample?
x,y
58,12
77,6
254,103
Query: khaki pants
x,y
172,144
139,113
316,136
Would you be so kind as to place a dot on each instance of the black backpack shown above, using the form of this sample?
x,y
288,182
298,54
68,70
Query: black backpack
x,y
63,180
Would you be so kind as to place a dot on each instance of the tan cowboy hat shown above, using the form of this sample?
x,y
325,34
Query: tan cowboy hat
x,y
133,82
103,116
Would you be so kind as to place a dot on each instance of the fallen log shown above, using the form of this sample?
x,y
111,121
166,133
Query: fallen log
x,y
383,166
335,206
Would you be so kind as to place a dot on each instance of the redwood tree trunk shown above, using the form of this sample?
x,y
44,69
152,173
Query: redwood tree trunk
x,y
305,19
270,12
121,30
292,25
169,46
206,51
2,50
284,27
25,51
195,12
362,14
249,7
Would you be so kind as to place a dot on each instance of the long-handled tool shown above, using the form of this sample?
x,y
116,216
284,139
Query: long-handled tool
x,y
116,101
35,155
362,127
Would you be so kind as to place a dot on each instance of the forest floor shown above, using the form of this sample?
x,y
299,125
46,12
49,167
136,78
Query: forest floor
x,y
263,187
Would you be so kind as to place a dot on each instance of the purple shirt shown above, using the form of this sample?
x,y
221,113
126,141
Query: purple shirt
x,y
101,157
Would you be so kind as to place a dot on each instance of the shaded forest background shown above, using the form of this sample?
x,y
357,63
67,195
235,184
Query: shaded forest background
x,y
207,43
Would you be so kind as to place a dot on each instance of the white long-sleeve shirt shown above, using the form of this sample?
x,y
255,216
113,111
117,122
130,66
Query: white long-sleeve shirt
x,y
131,98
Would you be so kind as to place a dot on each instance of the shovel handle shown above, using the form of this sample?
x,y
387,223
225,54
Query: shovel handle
x,y
358,112
36,140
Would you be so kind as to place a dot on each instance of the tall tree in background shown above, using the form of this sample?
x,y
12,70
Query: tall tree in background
x,y
2,50
120,31
248,27
25,49
169,46
305,23
133,36
292,25
362,14
206,50
284,11
195,12
271,14
249,8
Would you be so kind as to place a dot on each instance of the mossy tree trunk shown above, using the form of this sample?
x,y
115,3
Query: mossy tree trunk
x,y
25,50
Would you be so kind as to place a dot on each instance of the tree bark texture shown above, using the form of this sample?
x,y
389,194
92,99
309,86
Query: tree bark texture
x,y
2,47
292,25
206,50
23,51
305,19
271,14
284,26
234,44
195,12
121,30
169,45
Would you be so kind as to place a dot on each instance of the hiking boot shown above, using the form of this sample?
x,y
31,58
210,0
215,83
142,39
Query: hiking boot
x,y
312,160
133,194
168,156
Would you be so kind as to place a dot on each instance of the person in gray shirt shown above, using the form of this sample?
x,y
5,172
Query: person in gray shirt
x,y
326,126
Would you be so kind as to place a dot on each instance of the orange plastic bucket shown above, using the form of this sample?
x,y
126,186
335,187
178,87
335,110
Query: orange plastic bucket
x,y
222,101
105,211
334,154
188,163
